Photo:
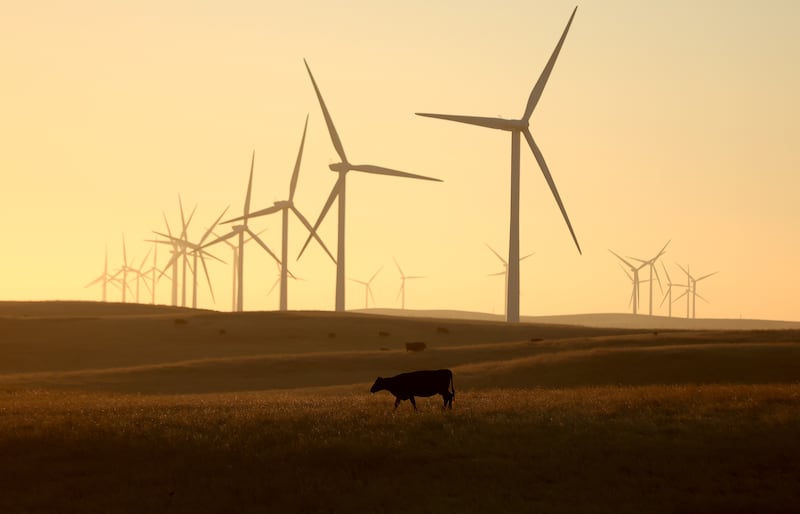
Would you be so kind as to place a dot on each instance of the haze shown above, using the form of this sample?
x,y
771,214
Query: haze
x,y
675,121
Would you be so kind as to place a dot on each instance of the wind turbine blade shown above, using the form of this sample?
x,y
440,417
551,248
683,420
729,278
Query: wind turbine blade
x,y
480,121
208,277
144,260
398,267
665,298
334,194
663,250
95,281
669,280
685,271
630,277
497,254
211,228
183,218
681,296
374,275
124,252
620,258
655,270
262,212
705,276
525,257
551,183
263,245
415,276
249,187
313,232
337,143
496,274
220,239
379,170
369,290
701,297
357,281
274,285
167,223
536,93
296,172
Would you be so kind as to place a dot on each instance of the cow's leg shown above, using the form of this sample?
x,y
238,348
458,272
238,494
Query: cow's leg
x,y
413,402
396,402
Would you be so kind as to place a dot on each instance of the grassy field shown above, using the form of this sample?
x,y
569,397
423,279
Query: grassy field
x,y
112,408
609,449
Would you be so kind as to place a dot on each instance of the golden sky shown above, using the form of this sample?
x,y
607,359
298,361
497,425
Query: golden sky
x,y
677,121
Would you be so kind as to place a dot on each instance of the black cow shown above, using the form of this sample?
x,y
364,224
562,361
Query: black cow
x,y
406,386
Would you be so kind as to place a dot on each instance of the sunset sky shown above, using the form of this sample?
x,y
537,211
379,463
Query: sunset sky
x,y
661,121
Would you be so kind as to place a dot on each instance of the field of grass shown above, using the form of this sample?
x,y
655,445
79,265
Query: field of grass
x,y
114,408
608,449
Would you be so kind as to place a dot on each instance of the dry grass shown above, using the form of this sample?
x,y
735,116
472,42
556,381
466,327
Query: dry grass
x,y
636,449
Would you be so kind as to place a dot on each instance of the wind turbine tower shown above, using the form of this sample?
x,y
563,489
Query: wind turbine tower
x,y
518,128
284,207
338,191
504,273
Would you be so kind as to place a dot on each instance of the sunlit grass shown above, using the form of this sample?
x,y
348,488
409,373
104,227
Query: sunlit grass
x,y
609,449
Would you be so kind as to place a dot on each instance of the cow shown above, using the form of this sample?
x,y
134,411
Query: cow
x,y
406,386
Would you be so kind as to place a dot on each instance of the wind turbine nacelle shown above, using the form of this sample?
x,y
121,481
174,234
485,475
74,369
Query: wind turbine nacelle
x,y
339,167
283,204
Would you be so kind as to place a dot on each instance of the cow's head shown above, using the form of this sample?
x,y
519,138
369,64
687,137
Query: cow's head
x,y
377,386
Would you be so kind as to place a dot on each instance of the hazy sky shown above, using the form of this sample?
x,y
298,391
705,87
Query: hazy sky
x,y
673,120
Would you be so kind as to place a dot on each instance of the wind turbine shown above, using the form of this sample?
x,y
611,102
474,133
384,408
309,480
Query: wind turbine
x,y
178,251
338,191
140,275
691,291
505,274
368,288
285,207
403,278
518,128
668,294
634,277
651,263
241,230
196,250
104,278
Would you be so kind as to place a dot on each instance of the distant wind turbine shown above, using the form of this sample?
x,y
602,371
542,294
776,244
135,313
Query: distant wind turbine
x,y
338,191
368,288
241,230
196,249
504,273
691,291
178,252
634,277
105,278
285,207
651,263
668,294
518,128
403,277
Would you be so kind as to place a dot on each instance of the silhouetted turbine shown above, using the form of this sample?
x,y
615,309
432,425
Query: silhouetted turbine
x,y
368,288
520,128
505,275
634,278
651,263
403,278
339,190
285,207
241,230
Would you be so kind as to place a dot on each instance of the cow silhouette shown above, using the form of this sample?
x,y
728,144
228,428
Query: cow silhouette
x,y
406,386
